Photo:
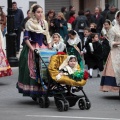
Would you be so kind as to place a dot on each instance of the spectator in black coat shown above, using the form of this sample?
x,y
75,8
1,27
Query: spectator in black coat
x,y
98,19
59,25
89,16
80,23
111,13
106,10
18,19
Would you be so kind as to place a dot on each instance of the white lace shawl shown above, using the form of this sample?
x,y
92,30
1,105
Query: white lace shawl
x,y
59,46
74,41
34,26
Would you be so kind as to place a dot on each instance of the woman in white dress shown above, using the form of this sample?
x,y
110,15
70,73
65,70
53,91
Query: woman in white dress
x,y
110,80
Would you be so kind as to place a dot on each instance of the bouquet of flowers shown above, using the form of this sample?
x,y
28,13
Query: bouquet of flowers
x,y
79,75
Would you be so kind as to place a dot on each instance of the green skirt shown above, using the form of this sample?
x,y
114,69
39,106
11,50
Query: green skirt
x,y
26,85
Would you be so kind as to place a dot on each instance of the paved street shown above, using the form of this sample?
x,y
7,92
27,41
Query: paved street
x,y
13,106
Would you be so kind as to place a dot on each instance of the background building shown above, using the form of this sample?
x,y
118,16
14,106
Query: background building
x,y
79,4
22,4
57,4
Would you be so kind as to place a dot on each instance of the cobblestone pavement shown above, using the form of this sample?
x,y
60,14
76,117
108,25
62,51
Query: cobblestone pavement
x,y
13,106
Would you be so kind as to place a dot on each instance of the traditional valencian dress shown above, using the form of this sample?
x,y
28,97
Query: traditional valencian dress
x,y
35,33
111,74
5,69
73,47
105,41
59,46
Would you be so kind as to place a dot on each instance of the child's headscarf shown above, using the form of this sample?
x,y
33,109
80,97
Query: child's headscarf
x,y
65,64
61,39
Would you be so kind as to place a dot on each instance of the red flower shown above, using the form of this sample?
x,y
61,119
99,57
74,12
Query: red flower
x,y
61,53
86,75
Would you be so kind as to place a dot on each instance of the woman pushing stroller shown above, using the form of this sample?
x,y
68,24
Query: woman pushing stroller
x,y
36,29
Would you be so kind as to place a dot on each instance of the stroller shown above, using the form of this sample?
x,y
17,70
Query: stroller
x,y
47,64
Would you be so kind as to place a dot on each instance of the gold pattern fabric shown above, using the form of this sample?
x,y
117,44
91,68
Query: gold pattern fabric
x,y
53,68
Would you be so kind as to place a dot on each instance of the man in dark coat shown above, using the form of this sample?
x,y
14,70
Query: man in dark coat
x,y
18,18
106,10
111,13
98,19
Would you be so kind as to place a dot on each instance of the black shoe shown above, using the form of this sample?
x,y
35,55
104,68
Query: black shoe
x,y
98,75
90,76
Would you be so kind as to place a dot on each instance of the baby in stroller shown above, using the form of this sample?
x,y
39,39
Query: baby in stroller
x,y
68,67
66,73
71,68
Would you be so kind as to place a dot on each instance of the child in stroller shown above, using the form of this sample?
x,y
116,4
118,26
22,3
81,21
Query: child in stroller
x,y
60,87
68,67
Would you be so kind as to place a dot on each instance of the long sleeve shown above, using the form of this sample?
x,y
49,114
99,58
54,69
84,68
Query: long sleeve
x,y
61,47
111,37
22,16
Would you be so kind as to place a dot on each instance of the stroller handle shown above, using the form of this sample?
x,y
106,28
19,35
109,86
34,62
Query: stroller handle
x,y
36,51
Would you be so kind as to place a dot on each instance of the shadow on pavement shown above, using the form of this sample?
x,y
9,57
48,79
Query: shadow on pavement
x,y
28,102
3,84
112,97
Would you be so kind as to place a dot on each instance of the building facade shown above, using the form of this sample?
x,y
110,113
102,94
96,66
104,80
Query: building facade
x,y
79,4
57,4
23,4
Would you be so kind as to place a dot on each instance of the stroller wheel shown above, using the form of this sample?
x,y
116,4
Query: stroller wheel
x,y
41,102
44,103
82,104
88,105
66,106
47,103
60,105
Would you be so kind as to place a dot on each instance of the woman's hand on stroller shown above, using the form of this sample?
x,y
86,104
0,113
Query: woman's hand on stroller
x,y
81,53
49,46
36,51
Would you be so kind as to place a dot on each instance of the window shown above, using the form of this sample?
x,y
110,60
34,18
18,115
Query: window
x,y
31,3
